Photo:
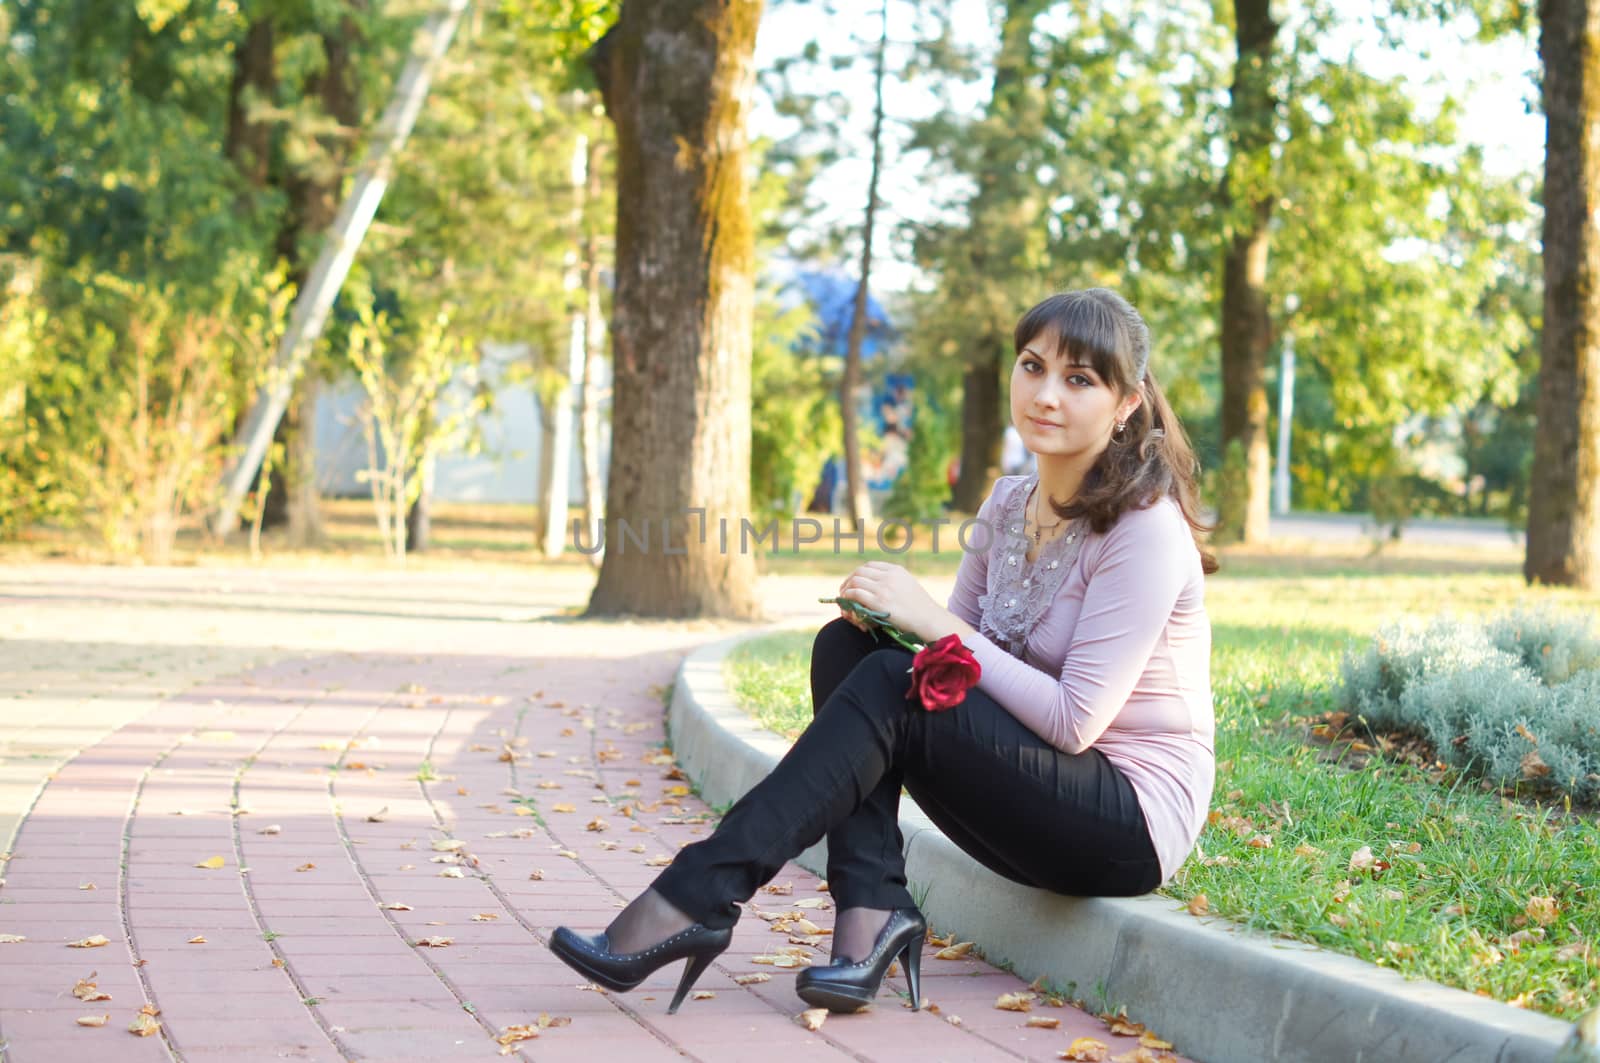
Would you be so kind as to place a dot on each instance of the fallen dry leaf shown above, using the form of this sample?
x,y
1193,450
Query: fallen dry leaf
x,y
1307,850
813,1018
144,1024
777,890
86,989
784,959
597,824
485,917
211,863
954,952
12,939
1541,910
452,872
448,845
517,1032
87,886
395,906
1362,859
93,941
658,861
1015,1002
819,903
1533,765
1086,1050
563,807
379,816
198,939
1150,1040
1199,904
568,853
271,828
436,942
536,875
1141,1054
755,978
1260,841
92,1020
1122,1026
1043,1022
703,994
306,867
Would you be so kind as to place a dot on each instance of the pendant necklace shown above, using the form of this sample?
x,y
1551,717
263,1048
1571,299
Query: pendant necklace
x,y
1039,529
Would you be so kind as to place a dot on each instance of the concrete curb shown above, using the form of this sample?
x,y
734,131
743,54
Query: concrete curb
x,y
1221,994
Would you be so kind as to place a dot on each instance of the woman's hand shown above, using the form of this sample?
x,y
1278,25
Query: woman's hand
x,y
891,589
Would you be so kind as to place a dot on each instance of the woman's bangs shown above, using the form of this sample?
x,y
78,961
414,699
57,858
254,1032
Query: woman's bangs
x,y
1085,333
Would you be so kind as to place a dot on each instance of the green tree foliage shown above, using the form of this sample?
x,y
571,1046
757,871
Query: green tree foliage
x,y
1397,240
138,156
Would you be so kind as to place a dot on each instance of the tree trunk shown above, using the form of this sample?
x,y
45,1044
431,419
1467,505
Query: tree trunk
x,y
1245,505
594,508
677,81
1009,191
546,471
1564,503
348,229
565,420
313,202
981,430
419,518
305,501
255,80
860,505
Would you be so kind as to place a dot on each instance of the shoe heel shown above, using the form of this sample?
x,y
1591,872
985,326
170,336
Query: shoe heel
x,y
911,960
691,973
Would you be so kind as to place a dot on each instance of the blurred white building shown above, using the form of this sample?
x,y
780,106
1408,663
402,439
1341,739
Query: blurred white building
x,y
500,465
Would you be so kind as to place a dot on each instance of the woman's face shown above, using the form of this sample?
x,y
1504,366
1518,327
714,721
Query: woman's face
x,y
1063,410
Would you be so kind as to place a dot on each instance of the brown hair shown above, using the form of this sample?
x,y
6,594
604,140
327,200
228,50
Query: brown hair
x,y
1151,459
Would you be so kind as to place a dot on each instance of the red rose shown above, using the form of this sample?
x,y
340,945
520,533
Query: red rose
x,y
942,672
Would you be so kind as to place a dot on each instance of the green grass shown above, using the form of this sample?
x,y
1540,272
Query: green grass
x,y
1457,903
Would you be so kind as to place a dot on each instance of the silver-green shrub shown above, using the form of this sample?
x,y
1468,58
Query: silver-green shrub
x,y
1515,698
1554,645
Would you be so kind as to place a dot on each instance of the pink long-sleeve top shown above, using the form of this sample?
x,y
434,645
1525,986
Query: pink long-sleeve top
x,y
1117,657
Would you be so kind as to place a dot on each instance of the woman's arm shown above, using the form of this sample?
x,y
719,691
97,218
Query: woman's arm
x,y
887,587
1146,560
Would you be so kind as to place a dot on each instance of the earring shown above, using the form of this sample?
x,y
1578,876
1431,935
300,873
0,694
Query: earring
x,y
1121,431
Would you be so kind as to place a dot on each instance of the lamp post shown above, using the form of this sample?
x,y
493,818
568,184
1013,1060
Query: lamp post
x,y
1280,479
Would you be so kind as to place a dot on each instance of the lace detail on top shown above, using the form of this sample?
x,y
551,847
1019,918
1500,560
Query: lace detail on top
x,y
1020,592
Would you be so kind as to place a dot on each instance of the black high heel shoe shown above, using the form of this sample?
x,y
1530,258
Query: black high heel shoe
x,y
591,956
846,987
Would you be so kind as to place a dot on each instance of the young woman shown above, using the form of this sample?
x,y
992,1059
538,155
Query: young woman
x,y
1081,762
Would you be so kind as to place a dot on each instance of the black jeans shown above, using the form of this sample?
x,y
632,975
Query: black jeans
x,y
1019,806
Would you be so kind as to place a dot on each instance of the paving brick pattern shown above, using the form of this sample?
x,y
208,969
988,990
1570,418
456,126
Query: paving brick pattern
x,y
371,772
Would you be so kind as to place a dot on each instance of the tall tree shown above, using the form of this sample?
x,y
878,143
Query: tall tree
x,y
677,80
1564,504
1247,194
860,506
1001,243
311,176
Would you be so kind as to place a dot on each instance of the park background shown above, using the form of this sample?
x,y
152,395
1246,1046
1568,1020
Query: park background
x,y
1357,229
601,279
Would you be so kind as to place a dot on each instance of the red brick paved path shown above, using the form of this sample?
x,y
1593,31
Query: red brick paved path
x,y
328,784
